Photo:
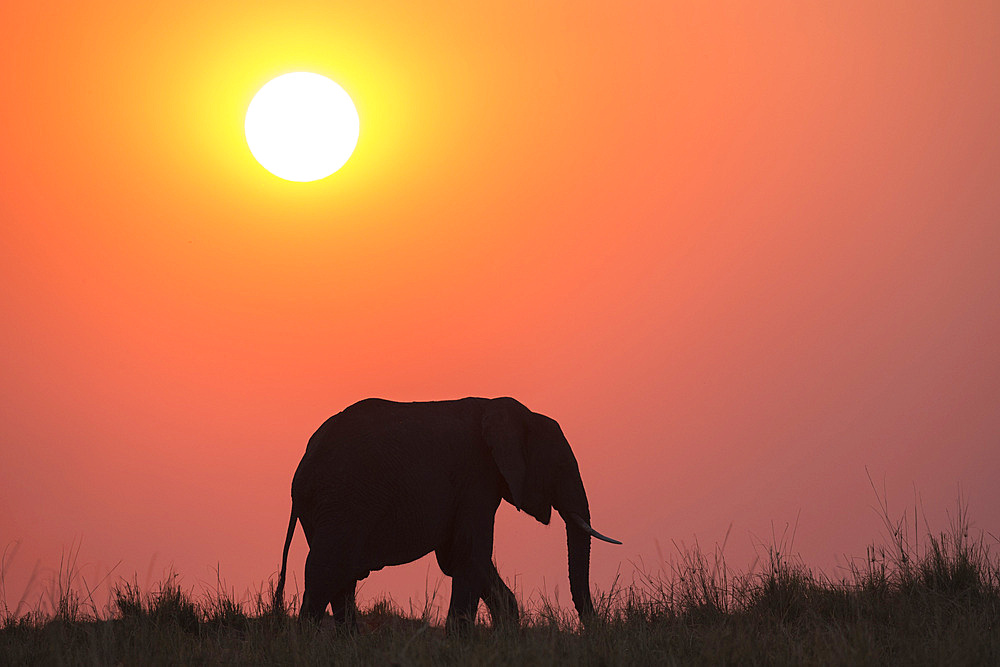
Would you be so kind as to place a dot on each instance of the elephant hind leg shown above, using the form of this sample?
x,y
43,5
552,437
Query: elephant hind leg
x,y
326,584
344,607
318,592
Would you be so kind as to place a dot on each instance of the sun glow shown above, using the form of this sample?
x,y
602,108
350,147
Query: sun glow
x,y
301,126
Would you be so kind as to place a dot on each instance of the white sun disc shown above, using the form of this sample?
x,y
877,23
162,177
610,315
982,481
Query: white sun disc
x,y
301,126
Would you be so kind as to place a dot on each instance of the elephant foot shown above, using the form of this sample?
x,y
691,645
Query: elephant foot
x,y
458,626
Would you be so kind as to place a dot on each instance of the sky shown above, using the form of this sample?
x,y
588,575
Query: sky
x,y
745,253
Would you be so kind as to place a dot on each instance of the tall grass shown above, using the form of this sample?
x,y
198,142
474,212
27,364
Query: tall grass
x,y
933,600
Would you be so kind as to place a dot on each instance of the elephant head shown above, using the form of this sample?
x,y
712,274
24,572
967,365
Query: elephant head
x,y
541,473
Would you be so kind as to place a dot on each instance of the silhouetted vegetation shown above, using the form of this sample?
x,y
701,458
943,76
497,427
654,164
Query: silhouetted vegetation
x,y
932,601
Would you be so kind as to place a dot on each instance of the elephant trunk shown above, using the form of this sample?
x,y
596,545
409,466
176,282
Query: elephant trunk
x,y
571,503
578,550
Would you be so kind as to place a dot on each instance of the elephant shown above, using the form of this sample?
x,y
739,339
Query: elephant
x,y
383,483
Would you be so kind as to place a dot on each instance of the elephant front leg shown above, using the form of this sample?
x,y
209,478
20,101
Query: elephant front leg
x,y
468,559
465,594
470,579
501,602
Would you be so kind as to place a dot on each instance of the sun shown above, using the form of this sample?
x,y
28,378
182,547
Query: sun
x,y
302,126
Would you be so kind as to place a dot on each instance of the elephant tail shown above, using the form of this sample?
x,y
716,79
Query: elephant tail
x,y
279,593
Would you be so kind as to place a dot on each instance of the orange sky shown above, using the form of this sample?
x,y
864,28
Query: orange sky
x,y
739,250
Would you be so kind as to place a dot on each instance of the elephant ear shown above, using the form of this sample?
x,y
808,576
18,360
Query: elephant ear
x,y
505,435
504,441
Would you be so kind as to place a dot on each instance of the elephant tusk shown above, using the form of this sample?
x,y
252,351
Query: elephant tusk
x,y
578,520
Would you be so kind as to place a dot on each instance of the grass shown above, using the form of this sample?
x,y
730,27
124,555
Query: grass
x,y
935,601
